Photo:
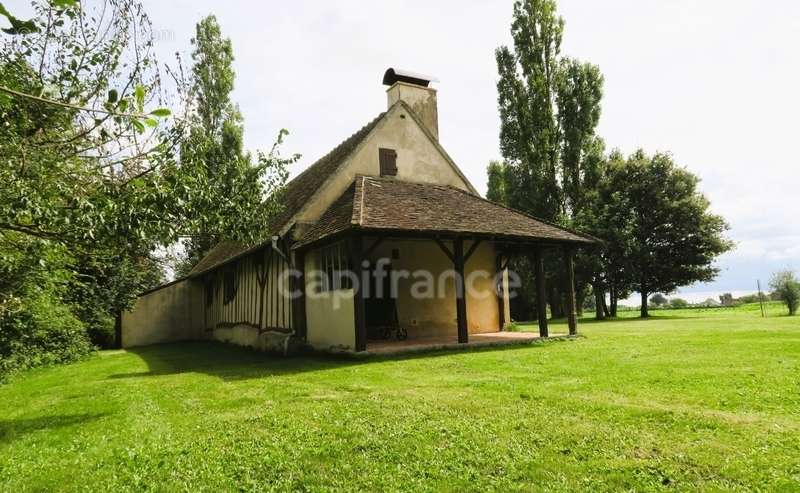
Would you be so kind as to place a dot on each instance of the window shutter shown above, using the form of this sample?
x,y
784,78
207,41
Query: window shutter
x,y
388,161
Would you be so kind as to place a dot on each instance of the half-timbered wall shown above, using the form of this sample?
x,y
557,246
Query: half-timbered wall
x,y
260,301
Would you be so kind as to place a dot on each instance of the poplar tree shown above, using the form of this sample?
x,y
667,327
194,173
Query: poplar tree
x,y
549,108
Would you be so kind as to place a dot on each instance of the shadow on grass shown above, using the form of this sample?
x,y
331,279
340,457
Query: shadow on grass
x,y
230,362
12,429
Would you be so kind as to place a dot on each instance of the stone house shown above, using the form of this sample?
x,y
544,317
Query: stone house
x,y
387,197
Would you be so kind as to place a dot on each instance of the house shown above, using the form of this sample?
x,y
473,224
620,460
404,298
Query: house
x,y
387,210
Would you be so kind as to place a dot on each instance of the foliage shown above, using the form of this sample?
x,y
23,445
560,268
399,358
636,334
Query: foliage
x,y
666,237
511,327
726,299
786,288
678,303
702,400
658,299
37,327
242,196
549,108
81,174
90,168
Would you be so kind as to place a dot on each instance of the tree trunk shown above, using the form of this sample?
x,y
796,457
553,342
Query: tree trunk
x,y
599,301
644,313
613,296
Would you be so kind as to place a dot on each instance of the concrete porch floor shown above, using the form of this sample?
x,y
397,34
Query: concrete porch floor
x,y
411,345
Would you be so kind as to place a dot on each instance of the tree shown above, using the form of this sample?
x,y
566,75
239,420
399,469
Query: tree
x,y
678,303
90,187
667,236
549,107
241,196
786,288
658,299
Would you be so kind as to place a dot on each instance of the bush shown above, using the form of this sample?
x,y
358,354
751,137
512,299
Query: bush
x,y
658,299
678,303
786,288
39,331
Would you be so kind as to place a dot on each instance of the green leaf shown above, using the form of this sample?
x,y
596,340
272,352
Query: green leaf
x,y
112,96
161,112
139,93
63,3
139,126
151,122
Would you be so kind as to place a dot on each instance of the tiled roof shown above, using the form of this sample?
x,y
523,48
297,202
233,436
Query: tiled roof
x,y
219,254
388,204
296,193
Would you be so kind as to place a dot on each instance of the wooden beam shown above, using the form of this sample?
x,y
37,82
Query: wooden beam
x,y
500,292
375,244
359,304
461,298
541,300
446,250
475,243
572,315
298,290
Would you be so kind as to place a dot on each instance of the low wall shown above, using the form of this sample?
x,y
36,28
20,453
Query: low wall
x,y
168,314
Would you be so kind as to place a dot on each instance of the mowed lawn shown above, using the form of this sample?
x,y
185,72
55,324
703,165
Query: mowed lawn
x,y
690,400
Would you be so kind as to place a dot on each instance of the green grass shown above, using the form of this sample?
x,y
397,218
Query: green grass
x,y
688,401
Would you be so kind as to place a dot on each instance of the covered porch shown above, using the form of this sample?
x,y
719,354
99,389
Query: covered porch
x,y
438,231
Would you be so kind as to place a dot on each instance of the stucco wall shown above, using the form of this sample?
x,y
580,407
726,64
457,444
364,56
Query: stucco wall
x,y
418,160
428,315
165,315
329,316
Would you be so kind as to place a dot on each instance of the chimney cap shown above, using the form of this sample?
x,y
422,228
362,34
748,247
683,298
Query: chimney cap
x,y
393,75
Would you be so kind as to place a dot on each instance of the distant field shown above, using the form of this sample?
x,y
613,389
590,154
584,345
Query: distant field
x,y
688,400
771,309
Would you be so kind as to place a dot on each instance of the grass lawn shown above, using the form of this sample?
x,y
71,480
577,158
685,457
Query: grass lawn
x,y
689,400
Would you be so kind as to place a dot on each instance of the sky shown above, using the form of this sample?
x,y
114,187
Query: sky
x,y
713,82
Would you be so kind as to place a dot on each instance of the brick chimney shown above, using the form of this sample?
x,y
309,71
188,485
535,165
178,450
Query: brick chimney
x,y
412,88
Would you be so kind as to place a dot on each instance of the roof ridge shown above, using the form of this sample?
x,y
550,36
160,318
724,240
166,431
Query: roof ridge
x,y
361,202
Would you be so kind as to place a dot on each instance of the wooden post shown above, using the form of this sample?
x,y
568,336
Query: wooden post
x,y
501,301
299,292
572,315
541,300
359,305
461,301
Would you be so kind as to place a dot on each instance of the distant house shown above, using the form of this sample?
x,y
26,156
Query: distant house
x,y
387,197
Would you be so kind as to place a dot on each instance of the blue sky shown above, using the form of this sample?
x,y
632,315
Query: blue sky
x,y
714,82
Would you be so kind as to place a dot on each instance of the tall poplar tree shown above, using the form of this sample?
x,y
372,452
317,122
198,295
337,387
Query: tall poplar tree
x,y
214,143
549,108
241,194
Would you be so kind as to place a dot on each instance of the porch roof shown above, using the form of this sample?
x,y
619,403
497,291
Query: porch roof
x,y
389,205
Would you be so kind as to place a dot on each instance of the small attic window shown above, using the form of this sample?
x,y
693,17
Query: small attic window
x,y
388,161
